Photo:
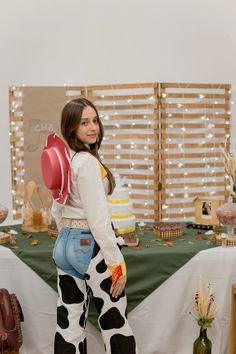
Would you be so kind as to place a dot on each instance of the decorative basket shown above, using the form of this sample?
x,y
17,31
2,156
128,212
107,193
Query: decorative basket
x,y
4,238
226,242
130,239
168,229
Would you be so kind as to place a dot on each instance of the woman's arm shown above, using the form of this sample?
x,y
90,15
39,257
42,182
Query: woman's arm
x,y
96,210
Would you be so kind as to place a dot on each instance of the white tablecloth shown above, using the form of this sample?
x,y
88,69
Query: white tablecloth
x,y
161,323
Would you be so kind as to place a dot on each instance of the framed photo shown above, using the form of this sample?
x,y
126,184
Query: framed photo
x,y
205,211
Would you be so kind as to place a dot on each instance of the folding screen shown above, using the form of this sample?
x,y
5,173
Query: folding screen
x,y
164,138
194,122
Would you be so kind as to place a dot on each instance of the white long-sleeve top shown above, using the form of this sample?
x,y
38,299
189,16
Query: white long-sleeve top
x,y
87,200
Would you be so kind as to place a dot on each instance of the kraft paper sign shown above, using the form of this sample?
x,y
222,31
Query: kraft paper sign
x,y
42,108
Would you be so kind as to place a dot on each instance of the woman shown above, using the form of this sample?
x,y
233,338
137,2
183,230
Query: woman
x,y
86,253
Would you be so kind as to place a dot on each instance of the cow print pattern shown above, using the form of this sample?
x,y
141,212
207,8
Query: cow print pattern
x,y
73,310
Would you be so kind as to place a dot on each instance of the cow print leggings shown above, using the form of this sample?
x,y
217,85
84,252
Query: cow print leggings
x,y
72,311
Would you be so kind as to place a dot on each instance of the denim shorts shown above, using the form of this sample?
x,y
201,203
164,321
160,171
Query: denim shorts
x,y
68,253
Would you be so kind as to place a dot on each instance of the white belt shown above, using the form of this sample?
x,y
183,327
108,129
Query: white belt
x,y
74,223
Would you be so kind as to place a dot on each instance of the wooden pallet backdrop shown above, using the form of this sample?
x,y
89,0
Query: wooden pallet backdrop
x,y
194,119
156,135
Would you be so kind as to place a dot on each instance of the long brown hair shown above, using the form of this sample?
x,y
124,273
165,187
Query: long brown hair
x,y
70,119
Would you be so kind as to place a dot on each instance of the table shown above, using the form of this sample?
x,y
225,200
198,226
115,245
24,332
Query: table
x,y
161,322
148,266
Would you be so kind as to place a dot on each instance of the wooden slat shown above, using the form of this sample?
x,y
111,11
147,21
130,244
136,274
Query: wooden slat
x,y
192,175
118,117
177,205
188,135
121,97
130,136
142,196
189,145
186,154
131,156
178,215
147,217
129,165
142,186
166,105
192,125
121,86
144,125
195,115
143,206
192,185
196,95
194,194
137,176
165,85
193,165
116,107
108,146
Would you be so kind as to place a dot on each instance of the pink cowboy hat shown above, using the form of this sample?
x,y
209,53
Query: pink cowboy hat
x,y
55,167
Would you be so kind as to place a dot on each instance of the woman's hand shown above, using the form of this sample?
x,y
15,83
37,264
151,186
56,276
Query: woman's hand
x,y
118,287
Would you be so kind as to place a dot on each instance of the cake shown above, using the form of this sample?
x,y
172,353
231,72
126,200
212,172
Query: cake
x,y
121,208
168,229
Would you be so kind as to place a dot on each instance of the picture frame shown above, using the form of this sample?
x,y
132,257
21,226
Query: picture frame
x,y
205,211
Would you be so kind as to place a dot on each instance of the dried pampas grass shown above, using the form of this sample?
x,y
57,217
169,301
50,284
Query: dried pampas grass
x,y
229,162
204,307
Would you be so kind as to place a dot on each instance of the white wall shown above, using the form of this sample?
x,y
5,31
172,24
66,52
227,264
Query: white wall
x,y
52,42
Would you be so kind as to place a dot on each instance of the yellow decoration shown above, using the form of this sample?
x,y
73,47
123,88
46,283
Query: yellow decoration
x,y
34,242
103,171
122,232
121,216
118,201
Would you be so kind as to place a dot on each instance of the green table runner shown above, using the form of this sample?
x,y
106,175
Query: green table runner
x,y
148,266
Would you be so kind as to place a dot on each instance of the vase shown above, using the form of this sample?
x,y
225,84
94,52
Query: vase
x,y
202,344
226,215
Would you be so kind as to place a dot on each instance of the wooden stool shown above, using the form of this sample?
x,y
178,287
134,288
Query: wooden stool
x,y
233,321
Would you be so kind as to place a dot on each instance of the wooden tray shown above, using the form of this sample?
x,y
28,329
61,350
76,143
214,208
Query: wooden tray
x,y
30,229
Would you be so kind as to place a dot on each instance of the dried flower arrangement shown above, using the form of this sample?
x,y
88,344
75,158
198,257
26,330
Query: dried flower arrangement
x,y
204,307
230,165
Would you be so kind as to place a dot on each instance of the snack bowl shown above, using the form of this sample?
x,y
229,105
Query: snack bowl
x,y
3,213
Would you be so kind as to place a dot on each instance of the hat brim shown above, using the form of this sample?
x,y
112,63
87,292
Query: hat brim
x,y
61,193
